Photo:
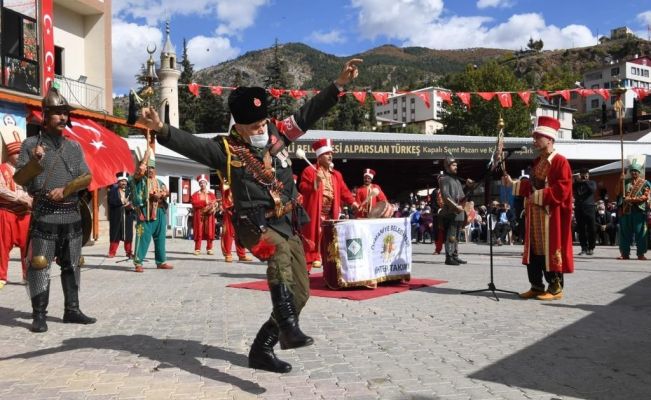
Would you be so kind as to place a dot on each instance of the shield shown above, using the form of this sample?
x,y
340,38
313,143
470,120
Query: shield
x,y
86,220
381,209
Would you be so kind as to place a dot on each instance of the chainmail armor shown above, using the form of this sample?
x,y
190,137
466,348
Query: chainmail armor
x,y
56,231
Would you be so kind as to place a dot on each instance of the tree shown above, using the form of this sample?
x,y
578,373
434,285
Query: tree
x,y
120,130
481,118
276,78
350,115
211,114
535,45
581,132
187,102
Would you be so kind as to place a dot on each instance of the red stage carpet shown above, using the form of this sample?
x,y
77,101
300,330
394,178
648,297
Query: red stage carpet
x,y
318,288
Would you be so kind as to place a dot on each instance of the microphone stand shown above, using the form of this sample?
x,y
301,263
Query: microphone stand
x,y
489,235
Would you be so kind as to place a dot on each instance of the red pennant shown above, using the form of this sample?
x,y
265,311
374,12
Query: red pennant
x,y
464,97
445,96
585,92
641,93
360,96
276,93
543,93
488,96
605,93
505,99
216,90
565,94
297,94
525,97
425,97
381,97
194,89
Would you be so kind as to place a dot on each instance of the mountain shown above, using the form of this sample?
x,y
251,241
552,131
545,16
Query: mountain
x,y
383,68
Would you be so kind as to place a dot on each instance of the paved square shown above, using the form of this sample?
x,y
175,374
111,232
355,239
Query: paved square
x,y
182,334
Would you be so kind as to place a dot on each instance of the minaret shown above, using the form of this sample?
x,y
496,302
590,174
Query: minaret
x,y
168,76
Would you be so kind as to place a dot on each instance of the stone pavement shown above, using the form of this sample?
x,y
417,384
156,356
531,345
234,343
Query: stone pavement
x,y
181,334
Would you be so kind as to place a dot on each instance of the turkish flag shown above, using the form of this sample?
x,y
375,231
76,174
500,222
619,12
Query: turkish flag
x,y
505,99
525,97
464,97
641,93
565,94
276,93
381,97
585,92
488,96
445,96
216,90
604,93
194,89
297,94
360,96
425,97
106,153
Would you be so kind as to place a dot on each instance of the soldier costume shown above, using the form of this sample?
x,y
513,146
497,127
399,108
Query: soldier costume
x,y
633,217
204,206
149,195
121,216
450,216
50,166
267,208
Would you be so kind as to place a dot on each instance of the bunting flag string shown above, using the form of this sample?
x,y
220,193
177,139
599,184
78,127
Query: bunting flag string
x,y
505,99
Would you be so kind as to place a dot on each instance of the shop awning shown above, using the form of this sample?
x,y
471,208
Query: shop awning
x,y
105,152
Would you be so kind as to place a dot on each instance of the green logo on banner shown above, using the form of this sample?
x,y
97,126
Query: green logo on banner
x,y
354,249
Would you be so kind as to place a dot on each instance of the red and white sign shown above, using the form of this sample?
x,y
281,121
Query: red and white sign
x,y
47,31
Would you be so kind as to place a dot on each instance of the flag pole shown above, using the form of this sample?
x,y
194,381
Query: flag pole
x,y
619,110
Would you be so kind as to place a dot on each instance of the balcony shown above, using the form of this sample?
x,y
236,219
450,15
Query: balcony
x,y
81,94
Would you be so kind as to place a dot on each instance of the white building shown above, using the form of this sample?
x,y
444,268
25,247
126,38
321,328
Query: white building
x,y
410,108
563,114
631,74
169,74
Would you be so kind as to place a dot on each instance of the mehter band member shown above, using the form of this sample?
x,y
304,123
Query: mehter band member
x,y
204,207
368,194
255,161
548,220
53,170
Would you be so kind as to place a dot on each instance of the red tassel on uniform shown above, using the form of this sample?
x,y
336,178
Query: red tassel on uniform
x,y
263,250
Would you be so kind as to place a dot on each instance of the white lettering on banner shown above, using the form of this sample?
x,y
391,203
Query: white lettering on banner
x,y
374,249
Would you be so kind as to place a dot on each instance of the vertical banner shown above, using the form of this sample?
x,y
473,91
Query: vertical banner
x,y
47,32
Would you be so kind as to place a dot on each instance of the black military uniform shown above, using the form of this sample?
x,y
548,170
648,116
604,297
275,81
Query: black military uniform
x,y
452,219
584,211
267,213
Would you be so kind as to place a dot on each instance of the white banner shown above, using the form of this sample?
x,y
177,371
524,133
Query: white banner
x,y
374,249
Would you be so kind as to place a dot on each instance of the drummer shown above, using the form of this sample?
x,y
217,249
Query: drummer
x,y
324,191
368,194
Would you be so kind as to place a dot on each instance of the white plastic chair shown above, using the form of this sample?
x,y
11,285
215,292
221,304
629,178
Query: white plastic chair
x,y
180,227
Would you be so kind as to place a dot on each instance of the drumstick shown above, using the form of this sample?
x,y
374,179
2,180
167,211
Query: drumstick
x,y
300,153
374,192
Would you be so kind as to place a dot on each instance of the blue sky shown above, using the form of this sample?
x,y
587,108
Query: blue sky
x,y
219,30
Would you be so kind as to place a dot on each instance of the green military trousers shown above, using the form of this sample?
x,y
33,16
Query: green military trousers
x,y
633,223
145,230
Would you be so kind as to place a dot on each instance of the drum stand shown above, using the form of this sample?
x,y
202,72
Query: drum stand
x,y
489,236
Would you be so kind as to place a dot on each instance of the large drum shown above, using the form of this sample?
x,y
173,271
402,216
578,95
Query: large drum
x,y
381,209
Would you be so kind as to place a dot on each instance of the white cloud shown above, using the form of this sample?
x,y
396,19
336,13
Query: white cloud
x,y
481,4
644,18
421,23
237,15
334,36
129,51
206,51
233,16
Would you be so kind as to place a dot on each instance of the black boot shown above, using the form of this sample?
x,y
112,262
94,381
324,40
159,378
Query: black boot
x,y
261,355
39,311
72,314
460,261
286,316
450,261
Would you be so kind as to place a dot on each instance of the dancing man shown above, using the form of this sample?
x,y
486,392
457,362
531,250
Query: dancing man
x,y
254,159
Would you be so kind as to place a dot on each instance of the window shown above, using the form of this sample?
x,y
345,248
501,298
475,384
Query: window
x,y
607,85
595,86
645,73
58,60
614,71
19,52
594,103
633,72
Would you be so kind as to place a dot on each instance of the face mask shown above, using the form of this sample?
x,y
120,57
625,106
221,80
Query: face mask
x,y
261,140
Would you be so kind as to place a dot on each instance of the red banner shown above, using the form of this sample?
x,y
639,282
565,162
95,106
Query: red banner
x,y
47,31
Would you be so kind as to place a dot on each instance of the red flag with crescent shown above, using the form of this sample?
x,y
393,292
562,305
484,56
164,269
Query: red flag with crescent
x,y
48,43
